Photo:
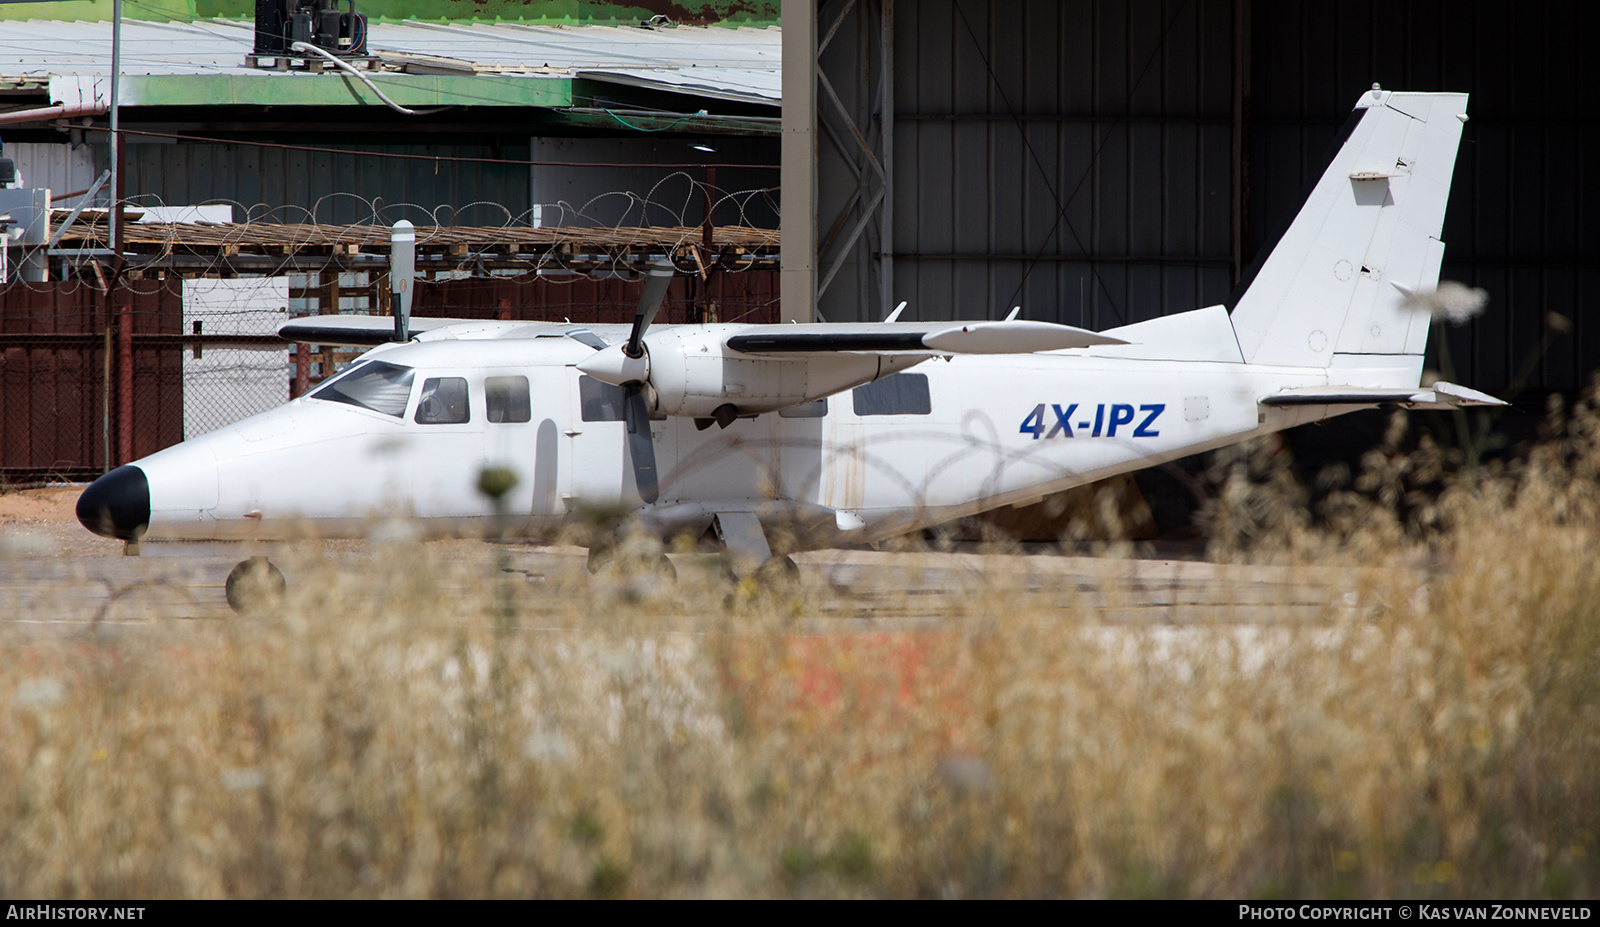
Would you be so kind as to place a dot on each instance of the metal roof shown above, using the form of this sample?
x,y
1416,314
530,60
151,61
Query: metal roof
x,y
203,63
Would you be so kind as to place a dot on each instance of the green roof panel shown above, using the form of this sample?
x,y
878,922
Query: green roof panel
x,y
332,89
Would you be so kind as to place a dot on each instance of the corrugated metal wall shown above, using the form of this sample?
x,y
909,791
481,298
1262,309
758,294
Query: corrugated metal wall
x,y
1521,219
1119,118
353,185
643,196
1070,157
747,296
52,376
61,167
283,185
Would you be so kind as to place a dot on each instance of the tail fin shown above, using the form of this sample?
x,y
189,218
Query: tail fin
x,y
1333,290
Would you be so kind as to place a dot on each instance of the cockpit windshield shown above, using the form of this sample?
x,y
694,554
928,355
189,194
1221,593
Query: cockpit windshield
x,y
376,385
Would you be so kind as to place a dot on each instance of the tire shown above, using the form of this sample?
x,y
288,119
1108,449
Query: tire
x,y
253,583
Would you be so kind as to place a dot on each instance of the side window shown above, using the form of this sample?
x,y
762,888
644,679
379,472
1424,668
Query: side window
x,y
443,401
900,394
506,399
815,409
602,402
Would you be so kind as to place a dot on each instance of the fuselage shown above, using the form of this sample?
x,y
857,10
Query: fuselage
x,y
405,432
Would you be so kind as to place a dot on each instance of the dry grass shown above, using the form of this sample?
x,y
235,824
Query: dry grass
x,y
376,735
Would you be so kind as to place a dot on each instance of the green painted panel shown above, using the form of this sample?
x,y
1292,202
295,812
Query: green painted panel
x,y
703,12
100,10
332,89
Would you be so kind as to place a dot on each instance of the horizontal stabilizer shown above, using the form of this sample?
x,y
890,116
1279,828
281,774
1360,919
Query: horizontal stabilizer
x,y
1014,337
1440,395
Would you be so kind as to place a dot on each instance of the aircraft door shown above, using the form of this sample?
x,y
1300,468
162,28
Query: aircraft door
x,y
544,456
447,450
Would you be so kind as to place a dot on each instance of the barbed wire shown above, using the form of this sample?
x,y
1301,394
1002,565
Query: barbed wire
x,y
619,225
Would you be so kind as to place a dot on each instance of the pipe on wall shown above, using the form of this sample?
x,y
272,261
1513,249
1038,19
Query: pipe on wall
x,y
125,375
46,113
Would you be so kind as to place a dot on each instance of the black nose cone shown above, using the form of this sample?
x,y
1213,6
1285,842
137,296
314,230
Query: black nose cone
x,y
117,505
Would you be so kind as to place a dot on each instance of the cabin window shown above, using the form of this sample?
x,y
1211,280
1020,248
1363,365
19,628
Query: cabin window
x,y
602,402
443,401
376,385
506,399
815,409
900,394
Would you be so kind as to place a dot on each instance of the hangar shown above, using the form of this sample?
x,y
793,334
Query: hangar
x,y
1101,163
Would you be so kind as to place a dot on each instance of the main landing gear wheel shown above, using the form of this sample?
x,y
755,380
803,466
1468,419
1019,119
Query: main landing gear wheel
x,y
254,582
777,572
602,558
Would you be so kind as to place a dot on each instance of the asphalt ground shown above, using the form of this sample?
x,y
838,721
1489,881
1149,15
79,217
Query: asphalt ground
x,y
863,588
55,577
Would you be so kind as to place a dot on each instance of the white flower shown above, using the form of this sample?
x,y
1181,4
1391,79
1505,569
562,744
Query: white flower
x,y
1452,302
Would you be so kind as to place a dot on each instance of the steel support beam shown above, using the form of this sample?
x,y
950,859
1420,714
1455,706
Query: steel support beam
x,y
797,288
1239,228
850,96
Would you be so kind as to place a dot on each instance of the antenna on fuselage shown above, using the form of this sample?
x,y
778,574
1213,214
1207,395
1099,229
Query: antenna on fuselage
x,y
402,272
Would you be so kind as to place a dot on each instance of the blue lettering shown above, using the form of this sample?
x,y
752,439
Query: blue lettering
x,y
1121,414
1034,423
1061,420
1143,431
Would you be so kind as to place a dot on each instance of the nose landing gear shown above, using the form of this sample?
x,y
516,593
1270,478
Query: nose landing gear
x,y
254,583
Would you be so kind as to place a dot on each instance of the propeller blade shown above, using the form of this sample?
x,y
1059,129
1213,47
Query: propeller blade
x,y
640,445
655,289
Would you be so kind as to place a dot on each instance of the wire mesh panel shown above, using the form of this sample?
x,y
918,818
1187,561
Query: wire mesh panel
x,y
229,381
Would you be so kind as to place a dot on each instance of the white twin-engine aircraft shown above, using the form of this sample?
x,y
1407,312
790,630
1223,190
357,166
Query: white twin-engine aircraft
x,y
836,434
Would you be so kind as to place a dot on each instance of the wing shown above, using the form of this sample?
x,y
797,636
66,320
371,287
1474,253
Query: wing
x,y
355,331
1014,337
1440,395
718,371
367,331
722,371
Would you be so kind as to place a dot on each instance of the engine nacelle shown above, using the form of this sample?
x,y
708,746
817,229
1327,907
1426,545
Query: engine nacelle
x,y
694,374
